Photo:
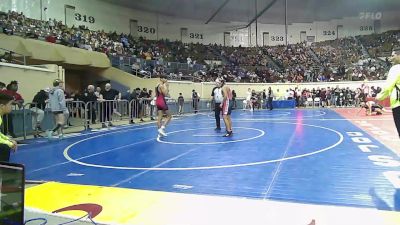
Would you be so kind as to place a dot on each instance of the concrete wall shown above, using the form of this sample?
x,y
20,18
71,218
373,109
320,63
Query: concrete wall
x,y
30,79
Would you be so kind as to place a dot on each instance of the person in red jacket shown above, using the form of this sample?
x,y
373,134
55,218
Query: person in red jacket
x,y
11,90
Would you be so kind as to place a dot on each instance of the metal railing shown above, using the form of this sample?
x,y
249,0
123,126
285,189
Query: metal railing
x,y
32,120
105,112
136,65
11,58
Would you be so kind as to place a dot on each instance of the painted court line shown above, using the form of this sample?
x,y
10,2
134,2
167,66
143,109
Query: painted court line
x,y
262,133
341,138
156,166
109,150
267,193
206,135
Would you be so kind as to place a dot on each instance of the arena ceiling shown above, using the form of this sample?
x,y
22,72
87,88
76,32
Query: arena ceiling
x,y
245,10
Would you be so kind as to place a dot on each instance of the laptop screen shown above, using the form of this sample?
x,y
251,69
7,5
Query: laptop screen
x,y
12,187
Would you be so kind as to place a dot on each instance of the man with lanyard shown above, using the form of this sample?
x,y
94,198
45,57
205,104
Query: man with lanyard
x,y
217,98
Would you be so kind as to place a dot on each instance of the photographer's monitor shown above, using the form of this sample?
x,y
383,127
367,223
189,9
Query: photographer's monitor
x,y
12,185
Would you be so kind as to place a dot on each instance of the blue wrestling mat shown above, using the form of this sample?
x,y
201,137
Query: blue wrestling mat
x,y
306,156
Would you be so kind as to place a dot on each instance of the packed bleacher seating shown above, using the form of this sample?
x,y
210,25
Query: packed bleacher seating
x,y
381,45
54,31
337,60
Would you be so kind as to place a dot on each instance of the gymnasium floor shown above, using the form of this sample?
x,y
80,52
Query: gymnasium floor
x,y
320,166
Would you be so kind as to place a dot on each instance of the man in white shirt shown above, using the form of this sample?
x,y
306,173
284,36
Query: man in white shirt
x,y
217,97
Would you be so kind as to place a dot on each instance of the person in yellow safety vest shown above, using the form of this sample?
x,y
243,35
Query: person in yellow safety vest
x,y
6,143
392,89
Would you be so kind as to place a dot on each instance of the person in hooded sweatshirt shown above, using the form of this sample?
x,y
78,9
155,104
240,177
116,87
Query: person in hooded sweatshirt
x,y
57,107
37,107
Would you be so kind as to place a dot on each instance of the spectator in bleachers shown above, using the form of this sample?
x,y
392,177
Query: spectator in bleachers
x,y
7,29
380,44
322,62
6,57
51,38
2,86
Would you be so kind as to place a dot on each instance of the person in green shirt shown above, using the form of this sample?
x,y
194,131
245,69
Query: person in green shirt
x,y
392,89
6,144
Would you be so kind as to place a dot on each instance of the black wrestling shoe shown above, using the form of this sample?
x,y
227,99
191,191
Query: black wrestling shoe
x,y
228,134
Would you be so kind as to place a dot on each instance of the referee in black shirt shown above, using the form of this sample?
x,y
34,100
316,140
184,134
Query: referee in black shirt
x,y
217,98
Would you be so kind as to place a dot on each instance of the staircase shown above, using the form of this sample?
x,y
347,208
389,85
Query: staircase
x,y
273,63
217,53
363,49
315,57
